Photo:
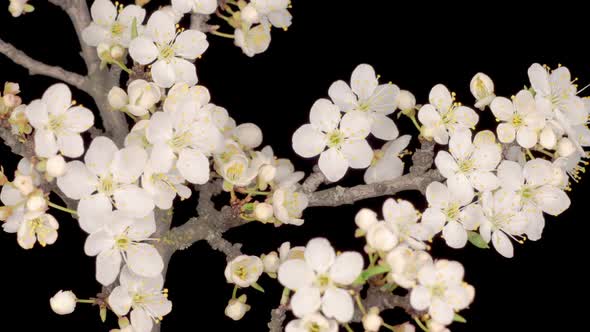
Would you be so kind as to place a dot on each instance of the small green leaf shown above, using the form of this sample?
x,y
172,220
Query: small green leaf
x,y
134,28
370,272
459,318
257,287
248,207
476,239
28,8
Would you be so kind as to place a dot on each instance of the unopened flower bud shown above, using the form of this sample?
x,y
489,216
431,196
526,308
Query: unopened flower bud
x,y
249,135
55,166
37,202
117,98
63,303
407,101
565,147
405,327
11,88
547,138
372,321
482,88
11,101
5,212
263,211
237,308
117,52
24,184
267,173
365,218
249,14
271,262
379,237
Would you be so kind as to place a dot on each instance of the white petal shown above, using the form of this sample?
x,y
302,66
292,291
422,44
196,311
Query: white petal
x,y
280,18
108,264
455,235
160,28
440,97
384,99
434,219
420,298
510,175
163,73
141,321
437,195
103,12
506,132
45,143
58,98
429,116
134,201
144,260
184,71
71,146
142,228
94,34
333,164
460,189
143,50
93,212
128,164
355,125
502,108
358,153
98,242
552,200
324,115
539,79
346,268
78,182
342,96
78,119
527,138
37,114
446,164
387,168
190,44
131,12
460,144
162,158
502,244
99,155
319,255
484,181
538,172
305,301
441,312
120,300
465,117
337,304
10,195
383,127
294,274
308,141
193,165
363,81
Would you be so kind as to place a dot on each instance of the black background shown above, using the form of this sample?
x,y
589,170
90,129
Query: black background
x,y
544,287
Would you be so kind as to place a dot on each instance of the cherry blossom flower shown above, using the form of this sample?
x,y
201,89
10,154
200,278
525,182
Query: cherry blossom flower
x,y
143,96
63,302
471,163
57,125
237,308
169,50
402,219
107,172
253,40
244,271
111,27
273,11
405,264
120,239
196,6
344,137
183,93
142,296
387,164
18,7
521,119
450,211
366,95
164,186
443,116
37,226
482,88
288,205
313,322
441,290
319,278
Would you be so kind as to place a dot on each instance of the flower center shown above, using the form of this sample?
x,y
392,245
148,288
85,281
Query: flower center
x,y
106,185
117,29
527,193
438,290
56,123
323,281
378,155
517,120
448,117
166,52
313,327
466,166
122,242
364,106
452,211
335,138
235,171
36,223
480,88
180,141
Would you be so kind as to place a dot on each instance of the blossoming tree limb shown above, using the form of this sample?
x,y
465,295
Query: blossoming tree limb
x,y
481,187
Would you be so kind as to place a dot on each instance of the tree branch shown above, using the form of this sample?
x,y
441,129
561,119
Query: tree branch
x,y
39,68
384,300
277,317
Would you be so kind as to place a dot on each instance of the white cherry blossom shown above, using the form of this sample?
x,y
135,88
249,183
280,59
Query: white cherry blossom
x,y
344,137
183,93
37,226
387,164
405,264
288,205
196,6
319,278
169,50
57,124
366,95
142,296
253,40
273,11
441,290
164,186
471,163
110,26
120,239
313,322
143,96
244,270
402,219
522,119
482,88
443,116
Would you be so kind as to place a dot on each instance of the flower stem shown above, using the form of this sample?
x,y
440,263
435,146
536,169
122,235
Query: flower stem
x,y
59,207
420,324
222,34
122,65
387,326
85,301
415,122
530,154
234,292
225,18
285,296
545,152
348,328
360,304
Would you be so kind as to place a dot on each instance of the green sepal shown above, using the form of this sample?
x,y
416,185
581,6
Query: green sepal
x,y
257,287
476,239
370,272
458,318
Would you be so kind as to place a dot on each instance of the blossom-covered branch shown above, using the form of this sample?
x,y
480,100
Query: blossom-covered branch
x,y
39,68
